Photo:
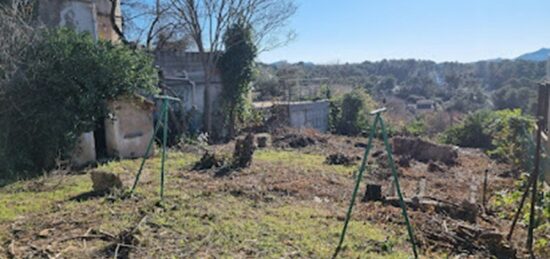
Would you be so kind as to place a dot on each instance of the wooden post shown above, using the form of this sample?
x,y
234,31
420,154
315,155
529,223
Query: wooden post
x,y
542,116
484,199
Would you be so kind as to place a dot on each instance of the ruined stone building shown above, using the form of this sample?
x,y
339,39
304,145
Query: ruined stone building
x,y
184,75
93,16
127,130
129,127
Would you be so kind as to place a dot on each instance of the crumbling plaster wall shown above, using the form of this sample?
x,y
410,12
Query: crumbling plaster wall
x,y
129,128
84,152
93,16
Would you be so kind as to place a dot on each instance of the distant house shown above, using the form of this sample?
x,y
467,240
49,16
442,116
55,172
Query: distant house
x,y
425,105
306,114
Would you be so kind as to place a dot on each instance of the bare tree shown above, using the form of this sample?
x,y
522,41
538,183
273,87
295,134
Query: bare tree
x,y
16,34
145,22
205,21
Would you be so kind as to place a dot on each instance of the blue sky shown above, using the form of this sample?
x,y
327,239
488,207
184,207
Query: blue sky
x,y
339,31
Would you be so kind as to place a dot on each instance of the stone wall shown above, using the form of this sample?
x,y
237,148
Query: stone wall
x,y
129,128
84,152
309,115
184,75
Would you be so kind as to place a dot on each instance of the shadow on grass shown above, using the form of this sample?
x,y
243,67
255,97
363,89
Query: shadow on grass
x,y
88,196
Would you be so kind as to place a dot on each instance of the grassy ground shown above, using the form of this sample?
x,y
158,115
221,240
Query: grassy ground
x,y
245,215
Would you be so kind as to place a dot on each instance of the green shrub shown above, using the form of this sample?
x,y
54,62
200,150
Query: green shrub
x,y
474,132
511,138
415,128
349,113
503,134
61,92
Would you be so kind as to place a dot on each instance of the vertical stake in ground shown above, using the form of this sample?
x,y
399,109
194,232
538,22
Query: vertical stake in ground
x,y
163,120
484,198
378,120
542,116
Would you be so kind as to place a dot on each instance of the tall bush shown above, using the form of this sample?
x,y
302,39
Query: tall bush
x,y
61,92
503,134
474,132
237,67
349,113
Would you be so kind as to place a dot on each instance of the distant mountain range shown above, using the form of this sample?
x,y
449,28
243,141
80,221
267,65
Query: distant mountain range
x,y
539,55
536,56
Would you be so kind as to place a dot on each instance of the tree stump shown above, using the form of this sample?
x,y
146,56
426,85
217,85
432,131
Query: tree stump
x,y
373,193
263,140
244,150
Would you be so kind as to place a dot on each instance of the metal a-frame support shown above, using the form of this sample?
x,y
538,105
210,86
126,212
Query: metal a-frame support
x,y
373,130
163,120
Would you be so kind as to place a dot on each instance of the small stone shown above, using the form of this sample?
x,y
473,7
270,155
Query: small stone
x,y
44,233
104,181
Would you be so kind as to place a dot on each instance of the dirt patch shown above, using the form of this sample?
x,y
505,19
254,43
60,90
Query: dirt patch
x,y
298,138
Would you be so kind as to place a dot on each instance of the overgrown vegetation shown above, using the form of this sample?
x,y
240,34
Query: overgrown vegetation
x,y
415,128
349,113
503,134
237,67
507,203
61,92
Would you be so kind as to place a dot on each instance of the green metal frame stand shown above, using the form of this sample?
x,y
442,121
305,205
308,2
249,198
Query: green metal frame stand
x,y
377,121
163,120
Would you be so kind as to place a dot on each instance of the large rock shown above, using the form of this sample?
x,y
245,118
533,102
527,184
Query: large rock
x,y
424,151
105,182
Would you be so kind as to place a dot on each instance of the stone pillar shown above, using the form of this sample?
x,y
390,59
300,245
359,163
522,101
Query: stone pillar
x,y
84,152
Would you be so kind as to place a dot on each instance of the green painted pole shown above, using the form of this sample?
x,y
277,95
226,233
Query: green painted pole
x,y
356,188
149,146
164,138
396,181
